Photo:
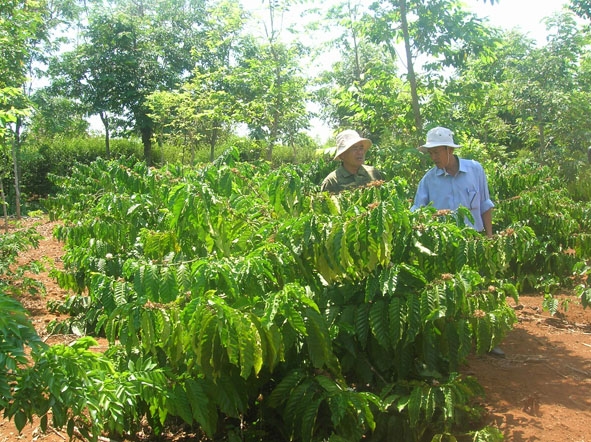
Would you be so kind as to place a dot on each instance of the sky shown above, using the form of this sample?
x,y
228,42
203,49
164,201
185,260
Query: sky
x,y
524,15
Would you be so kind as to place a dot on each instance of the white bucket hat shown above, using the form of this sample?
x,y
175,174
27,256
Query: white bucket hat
x,y
438,136
348,138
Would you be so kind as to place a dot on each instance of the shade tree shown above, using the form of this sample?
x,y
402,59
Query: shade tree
x,y
529,96
271,85
126,51
436,34
203,109
22,25
272,92
425,40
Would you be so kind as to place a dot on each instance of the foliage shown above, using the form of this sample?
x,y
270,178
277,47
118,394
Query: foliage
x,y
237,299
56,117
582,8
13,278
303,308
467,75
16,333
349,101
58,156
19,23
127,51
532,195
271,92
16,330
440,32
254,305
204,109
24,35
82,390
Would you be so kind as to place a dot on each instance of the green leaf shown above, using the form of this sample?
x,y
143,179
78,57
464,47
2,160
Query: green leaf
x,y
397,319
20,420
414,406
378,317
202,408
309,417
283,390
318,341
179,405
251,353
362,325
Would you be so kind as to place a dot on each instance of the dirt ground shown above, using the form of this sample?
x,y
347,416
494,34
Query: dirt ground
x,y
540,391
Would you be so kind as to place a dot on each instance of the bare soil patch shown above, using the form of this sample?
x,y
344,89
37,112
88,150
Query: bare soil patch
x,y
540,391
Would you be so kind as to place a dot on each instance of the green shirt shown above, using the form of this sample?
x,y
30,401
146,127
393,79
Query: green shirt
x,y
341,179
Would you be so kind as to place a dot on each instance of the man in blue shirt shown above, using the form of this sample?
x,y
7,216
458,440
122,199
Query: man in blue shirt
x,y
454,181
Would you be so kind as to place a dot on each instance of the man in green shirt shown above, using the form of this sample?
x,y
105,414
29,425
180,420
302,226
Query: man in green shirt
x,y
351,149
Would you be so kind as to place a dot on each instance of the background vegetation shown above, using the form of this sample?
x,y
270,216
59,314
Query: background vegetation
x,y
239,301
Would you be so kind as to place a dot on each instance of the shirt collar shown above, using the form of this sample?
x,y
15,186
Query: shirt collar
x,y
344,173
461,167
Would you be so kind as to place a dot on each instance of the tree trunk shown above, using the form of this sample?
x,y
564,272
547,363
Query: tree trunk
x,y
274,129
412,79
213,139
355,44
4,211
16,154
105,120
542,138
147,142
294,150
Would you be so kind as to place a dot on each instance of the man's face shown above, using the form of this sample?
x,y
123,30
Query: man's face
x,y
440,155
354,156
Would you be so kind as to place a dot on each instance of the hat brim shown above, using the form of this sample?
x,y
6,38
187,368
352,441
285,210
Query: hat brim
x,y
367,143
425,147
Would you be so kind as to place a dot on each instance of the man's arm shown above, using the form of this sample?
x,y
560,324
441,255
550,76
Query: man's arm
x,y
330,184
487,221
421,196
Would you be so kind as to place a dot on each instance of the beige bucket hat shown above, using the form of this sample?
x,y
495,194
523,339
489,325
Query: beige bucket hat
x,y
348,138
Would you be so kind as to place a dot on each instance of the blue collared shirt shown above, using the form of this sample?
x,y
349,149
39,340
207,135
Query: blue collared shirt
x,y
468,188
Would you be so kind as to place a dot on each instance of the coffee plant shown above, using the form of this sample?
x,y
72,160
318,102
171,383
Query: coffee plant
x,y
17,334
242,303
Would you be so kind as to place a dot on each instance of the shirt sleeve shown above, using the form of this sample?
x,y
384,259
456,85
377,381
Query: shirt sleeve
x,y
421,196
485,202
330,184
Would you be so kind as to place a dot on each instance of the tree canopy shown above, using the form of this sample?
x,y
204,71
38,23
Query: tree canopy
x,y
192,72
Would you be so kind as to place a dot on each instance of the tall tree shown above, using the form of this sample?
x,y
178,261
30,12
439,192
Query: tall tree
x,y
479,99
440,32
399,55
204,109
22,25
128,50
532,96
544,82
276,90
362,90
272,91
